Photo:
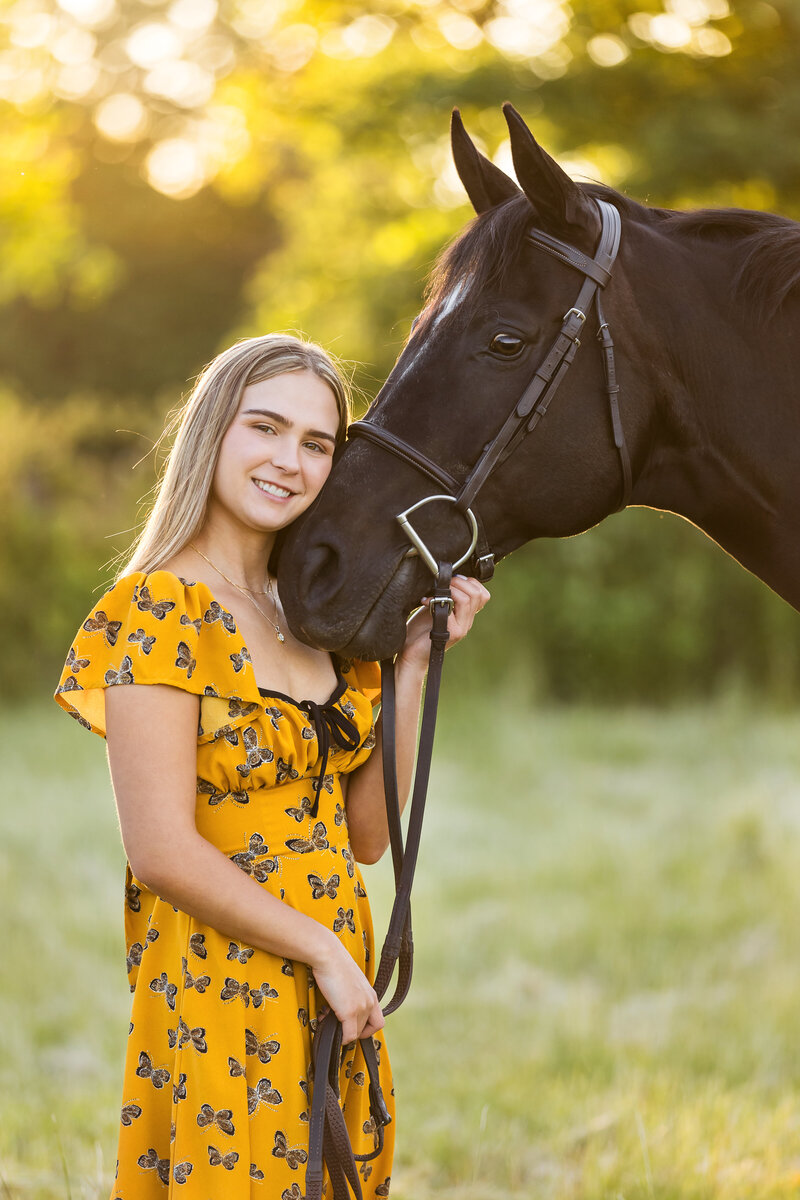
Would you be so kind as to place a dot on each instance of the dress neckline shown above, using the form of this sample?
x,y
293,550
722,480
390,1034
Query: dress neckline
x,y
339,687
338,691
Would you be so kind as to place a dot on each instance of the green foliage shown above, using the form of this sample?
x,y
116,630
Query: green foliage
x,y
180,176
644,607
67,488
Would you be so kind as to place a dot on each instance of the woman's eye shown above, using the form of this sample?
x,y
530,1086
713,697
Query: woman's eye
x,y
266,428
506,344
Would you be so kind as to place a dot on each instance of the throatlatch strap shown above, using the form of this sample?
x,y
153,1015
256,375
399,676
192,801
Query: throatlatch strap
x,y
612,391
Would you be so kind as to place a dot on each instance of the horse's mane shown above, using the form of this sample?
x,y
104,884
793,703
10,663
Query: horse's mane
x,y
482,254
768,247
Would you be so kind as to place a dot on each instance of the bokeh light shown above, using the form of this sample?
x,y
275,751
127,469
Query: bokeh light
x,y
76,82
192,15
184,83
30,29
121,117
362,38
460,31
712,42
152,43
176,168
670,32
73,46
528,29
93,13
291,48
607,50
698,12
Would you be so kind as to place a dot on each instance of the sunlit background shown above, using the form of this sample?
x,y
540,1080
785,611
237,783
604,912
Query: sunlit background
x,y
606,999
176,175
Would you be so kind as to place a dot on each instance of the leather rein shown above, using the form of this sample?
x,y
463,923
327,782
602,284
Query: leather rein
x,y
329,1143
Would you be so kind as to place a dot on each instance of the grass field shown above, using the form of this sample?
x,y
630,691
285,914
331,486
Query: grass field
x,y
607,986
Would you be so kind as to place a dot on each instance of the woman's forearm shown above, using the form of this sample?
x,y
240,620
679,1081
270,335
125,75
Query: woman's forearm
x,y
366,804
200,880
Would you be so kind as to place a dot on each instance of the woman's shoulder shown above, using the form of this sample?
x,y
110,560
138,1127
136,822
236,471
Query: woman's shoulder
x,y
156,627
363,676
159,612
160,592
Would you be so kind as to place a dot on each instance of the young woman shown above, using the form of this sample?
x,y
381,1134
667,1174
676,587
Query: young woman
x,y
247,793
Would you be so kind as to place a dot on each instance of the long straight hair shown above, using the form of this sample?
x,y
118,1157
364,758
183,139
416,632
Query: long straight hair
x,y
182,492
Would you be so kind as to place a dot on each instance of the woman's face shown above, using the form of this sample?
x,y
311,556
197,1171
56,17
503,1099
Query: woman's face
x,y
277,451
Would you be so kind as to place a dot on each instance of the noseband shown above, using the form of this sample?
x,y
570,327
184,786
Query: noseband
x,y
531,406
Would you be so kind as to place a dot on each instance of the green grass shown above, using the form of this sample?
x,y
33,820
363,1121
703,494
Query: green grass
x,y
608,960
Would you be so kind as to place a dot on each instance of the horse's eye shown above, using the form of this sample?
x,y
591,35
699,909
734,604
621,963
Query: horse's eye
x,y
506,344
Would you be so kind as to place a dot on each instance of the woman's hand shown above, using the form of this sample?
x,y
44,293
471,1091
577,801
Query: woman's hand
x,y
348,991
469,596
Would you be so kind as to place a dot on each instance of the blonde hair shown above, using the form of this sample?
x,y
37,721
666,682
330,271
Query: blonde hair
x,y
182,492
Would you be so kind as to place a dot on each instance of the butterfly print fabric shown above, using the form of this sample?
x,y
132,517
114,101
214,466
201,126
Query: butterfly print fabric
x,y
216,1088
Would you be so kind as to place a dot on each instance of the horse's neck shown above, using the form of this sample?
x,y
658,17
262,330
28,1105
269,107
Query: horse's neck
x,y
725,430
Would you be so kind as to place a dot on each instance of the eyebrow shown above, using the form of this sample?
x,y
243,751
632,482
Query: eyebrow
x,y
280,419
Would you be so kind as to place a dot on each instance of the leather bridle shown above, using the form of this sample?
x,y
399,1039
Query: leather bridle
x,y
532,405
328,1138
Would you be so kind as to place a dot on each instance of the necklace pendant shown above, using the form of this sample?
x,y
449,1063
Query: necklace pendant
x,y
279,636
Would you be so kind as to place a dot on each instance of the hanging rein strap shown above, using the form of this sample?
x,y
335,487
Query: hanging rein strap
x,y
328,1141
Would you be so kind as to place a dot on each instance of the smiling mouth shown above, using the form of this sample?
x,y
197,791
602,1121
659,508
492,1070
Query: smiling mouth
x,y
272,489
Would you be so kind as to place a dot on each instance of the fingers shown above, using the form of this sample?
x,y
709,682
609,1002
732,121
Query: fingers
x,y
348,992
471,590
375,1022
465,589
469,596
361,1025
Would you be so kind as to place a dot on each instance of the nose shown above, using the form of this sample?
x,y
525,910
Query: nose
x,y
286,455
309,603
320,574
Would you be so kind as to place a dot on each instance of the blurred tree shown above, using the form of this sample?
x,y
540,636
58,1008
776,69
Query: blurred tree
x,y
181,172
161,286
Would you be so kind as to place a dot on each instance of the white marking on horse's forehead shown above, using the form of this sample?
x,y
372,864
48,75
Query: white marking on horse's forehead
x,y
454,297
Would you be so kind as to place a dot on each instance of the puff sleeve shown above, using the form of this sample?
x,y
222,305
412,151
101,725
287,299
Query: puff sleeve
x,y
155,628
365,677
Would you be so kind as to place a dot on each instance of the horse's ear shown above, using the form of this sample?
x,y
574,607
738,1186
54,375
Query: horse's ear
x,y
557,199
485,184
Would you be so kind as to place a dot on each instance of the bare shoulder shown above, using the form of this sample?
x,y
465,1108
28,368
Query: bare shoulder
x,y
185,566
182,565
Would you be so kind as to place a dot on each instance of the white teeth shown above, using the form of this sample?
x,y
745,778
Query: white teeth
x,y
272,490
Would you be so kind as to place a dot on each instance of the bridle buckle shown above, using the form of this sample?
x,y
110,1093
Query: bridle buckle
x,y
418,545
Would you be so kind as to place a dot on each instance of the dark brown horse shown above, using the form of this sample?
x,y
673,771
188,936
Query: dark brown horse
x,y
704,308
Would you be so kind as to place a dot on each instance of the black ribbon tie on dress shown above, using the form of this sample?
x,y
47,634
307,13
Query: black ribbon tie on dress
x,y
330,724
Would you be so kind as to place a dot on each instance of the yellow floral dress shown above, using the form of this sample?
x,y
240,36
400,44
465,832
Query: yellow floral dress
x,y
217,1074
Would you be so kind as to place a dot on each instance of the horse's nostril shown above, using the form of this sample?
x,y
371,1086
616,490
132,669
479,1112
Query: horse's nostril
x,y
320,574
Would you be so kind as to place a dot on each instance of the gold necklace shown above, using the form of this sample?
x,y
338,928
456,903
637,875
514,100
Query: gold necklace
x,y
279,634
